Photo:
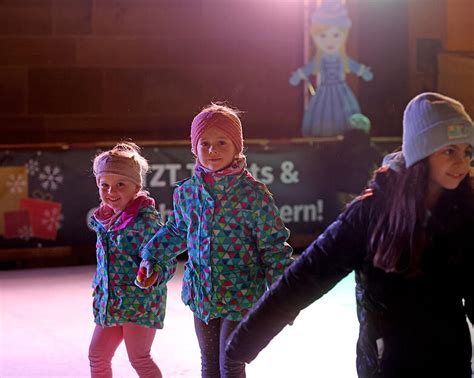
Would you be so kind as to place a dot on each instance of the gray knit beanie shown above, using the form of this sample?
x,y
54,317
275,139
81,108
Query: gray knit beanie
x,y
432,121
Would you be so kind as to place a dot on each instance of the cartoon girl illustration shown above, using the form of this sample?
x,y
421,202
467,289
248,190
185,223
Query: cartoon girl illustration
x,y
333,103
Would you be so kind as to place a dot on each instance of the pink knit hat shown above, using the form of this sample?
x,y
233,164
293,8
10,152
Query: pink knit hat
x,y
221,117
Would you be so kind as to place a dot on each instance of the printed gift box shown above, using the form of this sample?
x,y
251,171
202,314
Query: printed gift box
x,y
17,224
44,216
13,187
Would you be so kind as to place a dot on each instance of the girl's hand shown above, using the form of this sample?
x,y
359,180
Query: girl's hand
x,y
147,267
147,275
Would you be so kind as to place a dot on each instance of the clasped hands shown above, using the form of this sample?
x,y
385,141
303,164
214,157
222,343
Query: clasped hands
x,y
147,274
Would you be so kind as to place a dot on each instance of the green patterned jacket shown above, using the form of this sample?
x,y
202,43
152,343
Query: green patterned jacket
x,y
236,242
116,298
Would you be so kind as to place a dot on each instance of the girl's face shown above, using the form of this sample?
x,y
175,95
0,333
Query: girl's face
x,y
329,40
215,150
116,191
448,166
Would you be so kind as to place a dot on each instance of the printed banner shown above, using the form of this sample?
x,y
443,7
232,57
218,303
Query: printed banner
x,y
47,196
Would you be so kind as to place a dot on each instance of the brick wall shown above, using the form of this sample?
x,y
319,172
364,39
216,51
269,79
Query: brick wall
x,y
103,70
92,70
442,48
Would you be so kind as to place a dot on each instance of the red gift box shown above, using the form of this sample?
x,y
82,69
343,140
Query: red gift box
x,y
44,216
17,224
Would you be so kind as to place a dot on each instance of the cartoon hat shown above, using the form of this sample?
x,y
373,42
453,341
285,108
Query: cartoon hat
x,y
332,13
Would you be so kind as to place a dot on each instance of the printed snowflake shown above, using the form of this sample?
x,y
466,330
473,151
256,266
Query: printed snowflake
x,y
50,219
16,184
51,177
25,232
33,167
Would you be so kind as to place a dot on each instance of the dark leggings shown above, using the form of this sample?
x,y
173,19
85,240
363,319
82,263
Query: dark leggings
x,y
211,338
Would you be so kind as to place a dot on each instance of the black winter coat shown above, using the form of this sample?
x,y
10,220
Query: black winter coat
x,y
409,326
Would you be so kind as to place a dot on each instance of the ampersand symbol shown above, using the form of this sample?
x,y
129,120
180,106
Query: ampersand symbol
x,y
288,174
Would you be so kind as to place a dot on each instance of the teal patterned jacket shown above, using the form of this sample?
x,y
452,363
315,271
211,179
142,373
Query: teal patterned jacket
x,y
235,239
116,298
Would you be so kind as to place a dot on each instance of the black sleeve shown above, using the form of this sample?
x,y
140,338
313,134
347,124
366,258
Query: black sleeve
x,y
338,251
468,282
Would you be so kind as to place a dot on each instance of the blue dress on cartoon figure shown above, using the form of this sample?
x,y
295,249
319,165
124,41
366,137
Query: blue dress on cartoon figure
x,y
334,102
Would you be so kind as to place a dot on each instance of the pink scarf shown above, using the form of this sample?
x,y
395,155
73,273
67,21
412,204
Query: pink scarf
x,y
106,216
237,166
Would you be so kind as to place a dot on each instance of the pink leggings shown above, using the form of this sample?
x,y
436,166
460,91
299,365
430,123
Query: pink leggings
x,y
138,340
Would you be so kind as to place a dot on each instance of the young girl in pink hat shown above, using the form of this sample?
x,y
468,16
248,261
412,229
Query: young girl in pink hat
x,y
125,221
235,239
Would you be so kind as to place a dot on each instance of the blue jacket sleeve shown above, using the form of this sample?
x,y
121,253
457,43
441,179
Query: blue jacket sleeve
x,y
271,236
168,243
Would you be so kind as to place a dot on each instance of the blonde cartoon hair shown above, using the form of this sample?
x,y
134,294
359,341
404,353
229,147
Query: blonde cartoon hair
x,y
315,30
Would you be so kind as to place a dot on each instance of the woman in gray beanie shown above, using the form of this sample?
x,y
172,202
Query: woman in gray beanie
x,y
408,238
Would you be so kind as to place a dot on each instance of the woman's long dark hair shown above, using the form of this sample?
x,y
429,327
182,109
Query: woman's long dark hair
x,y
398,237
396,240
